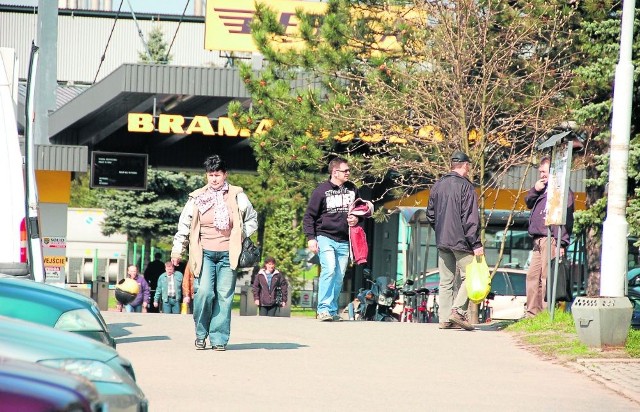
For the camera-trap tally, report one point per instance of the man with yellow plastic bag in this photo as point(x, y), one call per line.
point(453, 214)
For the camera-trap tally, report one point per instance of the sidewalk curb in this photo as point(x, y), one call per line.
point(587, 367)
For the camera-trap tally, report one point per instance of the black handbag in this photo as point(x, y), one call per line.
point(278, 293)
point(250, 254)
point(563, 287)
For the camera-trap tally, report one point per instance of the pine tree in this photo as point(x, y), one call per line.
point(157, 47)
point(150, 215)
point(598, 41)
point(397, 89)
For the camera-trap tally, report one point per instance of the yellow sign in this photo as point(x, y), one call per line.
point(54, 261)
point(177, 124)
point(227, 23)
point(224, 126)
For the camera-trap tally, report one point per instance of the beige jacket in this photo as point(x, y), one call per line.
point(243, 216)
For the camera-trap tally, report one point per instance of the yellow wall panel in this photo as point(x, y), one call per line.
point(498, 199)
point(53, 186)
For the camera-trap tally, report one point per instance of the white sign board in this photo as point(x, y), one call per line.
point(558, 185)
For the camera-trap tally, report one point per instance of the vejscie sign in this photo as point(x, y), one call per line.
point(54, 261)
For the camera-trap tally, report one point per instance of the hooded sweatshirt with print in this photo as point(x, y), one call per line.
point(327, 211)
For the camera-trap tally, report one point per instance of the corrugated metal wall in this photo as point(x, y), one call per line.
point(60, 157)
point(82, 41)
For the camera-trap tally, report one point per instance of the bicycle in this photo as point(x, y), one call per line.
point(433, 306)
point(423, 312)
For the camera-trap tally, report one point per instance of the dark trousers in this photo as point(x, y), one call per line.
point(269, 310)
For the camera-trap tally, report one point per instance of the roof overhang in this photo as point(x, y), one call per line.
point(98, 116)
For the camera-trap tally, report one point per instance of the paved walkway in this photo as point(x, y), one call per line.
point(298, 364)
point(620, 375)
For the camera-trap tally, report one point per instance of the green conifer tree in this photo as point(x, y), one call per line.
point(157, 47)
point(597, 40)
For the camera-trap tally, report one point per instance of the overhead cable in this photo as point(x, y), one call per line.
point(108, 41)
point(177, 28)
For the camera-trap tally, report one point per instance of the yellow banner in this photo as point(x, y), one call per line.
point(227, 22)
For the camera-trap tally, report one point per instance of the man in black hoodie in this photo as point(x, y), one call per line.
point(326, 225)
point(453, 214)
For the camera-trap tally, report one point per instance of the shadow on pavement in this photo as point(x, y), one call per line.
point(141, 339)
point(118, 330)
point(493, 326)
point(268, 346)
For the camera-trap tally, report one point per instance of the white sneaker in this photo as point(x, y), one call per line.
point(325, 317)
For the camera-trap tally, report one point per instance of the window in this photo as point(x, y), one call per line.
point(499, 285)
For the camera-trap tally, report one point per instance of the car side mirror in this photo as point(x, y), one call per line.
point(491, 295)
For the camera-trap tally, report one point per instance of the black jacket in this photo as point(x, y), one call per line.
point(537, 202)
point(453, 213)
point(327, 211)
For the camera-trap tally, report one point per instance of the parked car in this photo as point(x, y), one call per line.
point(634, 297)
point(53, 306)
point(29, 387)
point(507, 298)
point(633, 279)
point(111, 374)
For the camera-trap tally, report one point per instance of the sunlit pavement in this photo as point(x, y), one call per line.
point(301, 364)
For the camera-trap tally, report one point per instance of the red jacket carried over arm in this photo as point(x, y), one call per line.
point(357, 238)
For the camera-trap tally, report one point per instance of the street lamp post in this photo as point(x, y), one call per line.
point(605, 321)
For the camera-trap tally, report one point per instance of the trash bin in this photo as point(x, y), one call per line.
point(100, 293)
point(247, 305)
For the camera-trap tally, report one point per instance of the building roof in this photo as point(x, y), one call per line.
point(98, 116)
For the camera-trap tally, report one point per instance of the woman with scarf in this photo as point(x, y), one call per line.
point(269, 289)
point(215, 220)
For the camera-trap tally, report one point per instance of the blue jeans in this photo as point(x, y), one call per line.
point(334, 257)
point(212, 304)
point(171, 306)
point(130, 308)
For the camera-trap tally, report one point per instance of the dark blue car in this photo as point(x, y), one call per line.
point(29, 387)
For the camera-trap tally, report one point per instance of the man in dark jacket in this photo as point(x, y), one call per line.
point(453, 214)
point(326, 225)
point(536, 200)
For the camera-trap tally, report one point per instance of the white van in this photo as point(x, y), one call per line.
point(13, 238)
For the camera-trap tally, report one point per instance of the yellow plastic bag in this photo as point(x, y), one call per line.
point(184, 308)
point(478, 280)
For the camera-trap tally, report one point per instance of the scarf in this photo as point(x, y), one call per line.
point(215, 198)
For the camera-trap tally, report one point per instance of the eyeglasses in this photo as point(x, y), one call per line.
point(344, 171)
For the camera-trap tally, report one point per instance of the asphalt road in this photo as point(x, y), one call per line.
point(298, 364)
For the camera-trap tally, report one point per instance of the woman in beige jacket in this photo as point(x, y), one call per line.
point(215, 220)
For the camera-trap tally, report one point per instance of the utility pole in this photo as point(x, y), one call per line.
point(606, 320)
